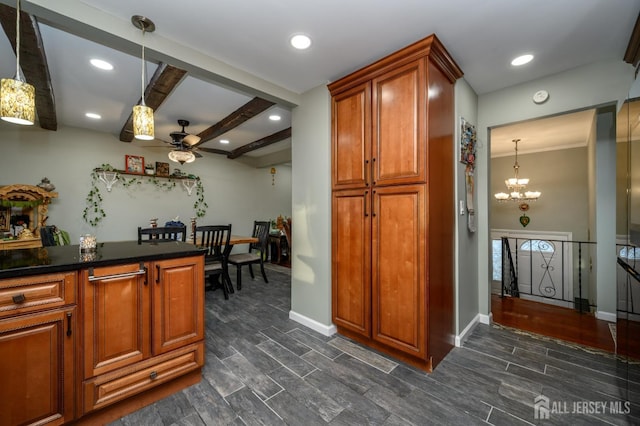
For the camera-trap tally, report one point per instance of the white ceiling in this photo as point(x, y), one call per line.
point(251, 38)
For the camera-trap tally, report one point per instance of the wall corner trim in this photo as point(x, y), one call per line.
point(324, 329)
point(462, 337)
point(606, 316)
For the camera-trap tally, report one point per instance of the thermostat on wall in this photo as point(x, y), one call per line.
point(540, 96)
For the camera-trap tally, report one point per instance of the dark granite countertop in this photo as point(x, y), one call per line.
point(23, 262)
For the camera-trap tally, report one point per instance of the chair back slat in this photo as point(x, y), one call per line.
point(215, 240)
point(261, 232)
point(162, 234)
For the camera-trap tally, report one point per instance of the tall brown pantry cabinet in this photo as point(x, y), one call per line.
point(393, 206)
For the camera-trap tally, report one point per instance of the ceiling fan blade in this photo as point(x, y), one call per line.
point(197, 154)
point(191, 140)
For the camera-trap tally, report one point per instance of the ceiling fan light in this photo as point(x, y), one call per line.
point(143, 127)
point(17, 101)
point(181, 156)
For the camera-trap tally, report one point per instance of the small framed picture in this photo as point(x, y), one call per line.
point(162, 169)
point(5, 218)
point(134, 164)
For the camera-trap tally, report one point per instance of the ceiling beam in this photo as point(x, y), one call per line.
point(236, 118)
point(214, 151)
point(632, 54)
point(164, 80)
point(33, 62)
point(261, 143)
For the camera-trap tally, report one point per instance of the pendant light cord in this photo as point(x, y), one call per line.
point(18, 43)
point(143, 66)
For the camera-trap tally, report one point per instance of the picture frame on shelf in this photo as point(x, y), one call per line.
point(162, 169)
point(134, 164)
point(5, 219)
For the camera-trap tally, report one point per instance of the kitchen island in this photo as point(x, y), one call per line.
point(89, 337)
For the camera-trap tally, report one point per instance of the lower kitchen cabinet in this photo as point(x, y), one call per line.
point(88, 342)
point(143, 325)
point(37, 368)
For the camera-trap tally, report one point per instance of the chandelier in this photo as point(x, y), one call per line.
point(517, 185)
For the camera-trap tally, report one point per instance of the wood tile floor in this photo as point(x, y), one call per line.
point(264, 369)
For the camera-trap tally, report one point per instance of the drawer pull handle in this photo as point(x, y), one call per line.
point(153, 375)
point(68, 323)
point(19, 298)
point(157, 274)
point(108, 277)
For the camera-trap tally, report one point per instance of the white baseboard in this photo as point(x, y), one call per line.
point(326, 330)
point(460, 338)
point(485, 319)
point(606, 316)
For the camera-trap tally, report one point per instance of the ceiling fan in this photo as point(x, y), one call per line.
point(184, 145)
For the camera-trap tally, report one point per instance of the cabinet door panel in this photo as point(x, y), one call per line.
point(351, 127)
point(399, 129)
point(351, 260)
point(178, 303)
point(398, 272)
point(37, 368)
point(116, 318)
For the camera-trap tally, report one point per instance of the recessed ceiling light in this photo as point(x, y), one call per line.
point(103, 65)
point(274, 117)
point(300, 41)
point(225, 141)
point(521, 60)
point(93, 115)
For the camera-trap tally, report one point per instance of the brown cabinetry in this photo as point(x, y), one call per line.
point(393, 206)
point(143, 326)
point(38, 333)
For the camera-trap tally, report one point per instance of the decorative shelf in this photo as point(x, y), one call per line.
point(123, 172)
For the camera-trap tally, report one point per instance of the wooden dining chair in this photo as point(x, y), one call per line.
point(215, 240)
point(161, 234)
point(256, 254)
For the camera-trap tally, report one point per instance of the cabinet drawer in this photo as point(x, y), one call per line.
point(118, 385)
point(28, 294)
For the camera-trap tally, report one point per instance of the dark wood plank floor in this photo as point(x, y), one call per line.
point(264, 369)
point(553, 321)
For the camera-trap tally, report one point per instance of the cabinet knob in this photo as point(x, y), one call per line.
point(153, 375)
point(19, 298)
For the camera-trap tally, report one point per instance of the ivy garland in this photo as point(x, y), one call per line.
point(94, 213)
point(20, 203)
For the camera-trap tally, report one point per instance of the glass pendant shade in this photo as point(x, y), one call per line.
point(143, 122)
point(17, 101)
point(181, 156)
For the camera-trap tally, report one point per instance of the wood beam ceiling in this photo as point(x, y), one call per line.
point(236, 118)
point(252, 146)
point(164, 80)
point(632, 54)
point(33, 62)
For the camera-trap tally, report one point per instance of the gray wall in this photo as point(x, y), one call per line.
point(235, 193)
point(466, 287)
point(311, 194)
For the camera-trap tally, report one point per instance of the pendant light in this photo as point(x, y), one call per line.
point(17, 97)
point(143, 127)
